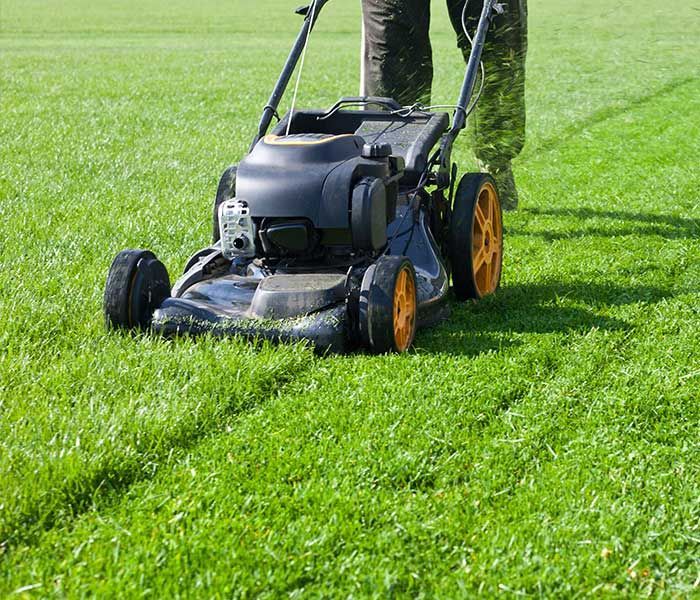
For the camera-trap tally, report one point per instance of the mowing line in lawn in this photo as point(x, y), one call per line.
point(99, 429)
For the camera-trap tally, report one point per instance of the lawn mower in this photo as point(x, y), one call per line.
point(340, 226)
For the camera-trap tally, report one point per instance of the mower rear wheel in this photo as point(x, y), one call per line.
point(137, 284)
point(388, 305)
point(225, 191)
point(476, 237)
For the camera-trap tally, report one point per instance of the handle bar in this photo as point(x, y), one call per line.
point(386, 103)
point(460, 117)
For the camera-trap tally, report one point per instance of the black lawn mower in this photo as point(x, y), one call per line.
point(340, 226)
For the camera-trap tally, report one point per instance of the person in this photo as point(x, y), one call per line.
point(397, 63)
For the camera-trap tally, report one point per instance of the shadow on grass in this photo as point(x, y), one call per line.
point(628, 223)
point(476, 328)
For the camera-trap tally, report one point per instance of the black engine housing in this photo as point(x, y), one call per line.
point(311, 190)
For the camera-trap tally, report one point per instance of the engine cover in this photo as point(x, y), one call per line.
point(285, 177)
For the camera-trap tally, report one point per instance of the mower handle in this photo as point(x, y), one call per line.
point(387, 103)
point(489, 9)
point(310, 14)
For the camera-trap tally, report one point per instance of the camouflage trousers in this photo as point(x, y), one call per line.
point(397, 62)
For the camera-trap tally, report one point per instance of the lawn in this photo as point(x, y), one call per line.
point(543, 442)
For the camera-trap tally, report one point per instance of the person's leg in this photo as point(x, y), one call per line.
point(397, 56)
point(498, 123)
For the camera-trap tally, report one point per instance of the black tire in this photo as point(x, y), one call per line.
point(475, 238)
point(383, 327)
point(137, 284)
point(225, 191)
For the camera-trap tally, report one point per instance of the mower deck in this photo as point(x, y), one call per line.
point(287, 307)
point(325, 329)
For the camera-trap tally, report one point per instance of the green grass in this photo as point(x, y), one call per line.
point(544, 442)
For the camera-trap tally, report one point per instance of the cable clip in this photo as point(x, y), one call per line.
point(499, 8)
point(274, 111)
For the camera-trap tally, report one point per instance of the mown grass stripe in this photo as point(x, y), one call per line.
point(97, 430)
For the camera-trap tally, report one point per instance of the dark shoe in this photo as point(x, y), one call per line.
point(505, 182)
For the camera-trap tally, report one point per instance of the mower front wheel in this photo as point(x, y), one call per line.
point(388, 305)
point(475, 239)
point(137, 284)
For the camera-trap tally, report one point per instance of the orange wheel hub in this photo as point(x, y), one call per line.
point(404, 310)
point(487, 241)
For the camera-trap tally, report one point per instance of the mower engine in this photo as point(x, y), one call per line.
point(309, 196)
